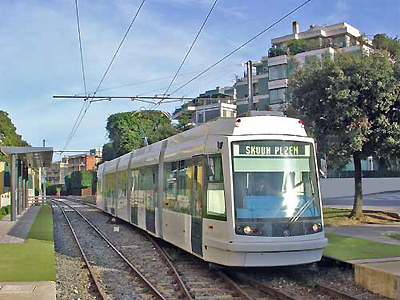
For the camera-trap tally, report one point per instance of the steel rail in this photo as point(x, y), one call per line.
point(164, 256)
point(91, 271)
point(142, 278)
point(326, 290)
point(239, 290)
point(167, 259)
point(333, 292)
point(264, 288)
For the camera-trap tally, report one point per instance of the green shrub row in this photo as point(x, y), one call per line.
point(5, 210)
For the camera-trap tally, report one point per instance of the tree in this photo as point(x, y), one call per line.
point(108, 152)
point(130, 130)
point(8, 134)
point(185, 120)
point(351, 106)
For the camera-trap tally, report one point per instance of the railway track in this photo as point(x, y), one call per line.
point(106, 273)
point(193, 279)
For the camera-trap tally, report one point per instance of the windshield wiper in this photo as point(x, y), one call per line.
point(301, 211)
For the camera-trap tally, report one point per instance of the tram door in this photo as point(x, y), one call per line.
point(197, 205)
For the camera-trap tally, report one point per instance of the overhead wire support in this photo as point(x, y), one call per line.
point(241, 46)
point(86, 102)
point(190, 49)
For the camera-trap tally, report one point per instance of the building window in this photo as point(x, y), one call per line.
point(277, 72)
point(277, 96)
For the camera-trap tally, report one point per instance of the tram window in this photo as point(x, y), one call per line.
point(216, 207)
point(171, 185)
point(135, 187)
point(146, 187)
point(185, 185)
point(122, 184)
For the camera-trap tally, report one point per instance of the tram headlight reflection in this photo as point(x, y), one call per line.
point(248, 230)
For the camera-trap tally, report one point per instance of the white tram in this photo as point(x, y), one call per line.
point(236, 192)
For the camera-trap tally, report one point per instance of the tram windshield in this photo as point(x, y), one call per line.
point(275, 188)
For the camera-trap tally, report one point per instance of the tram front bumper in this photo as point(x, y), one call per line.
point(263, 254)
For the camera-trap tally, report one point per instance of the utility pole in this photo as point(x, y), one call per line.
point(250, 84)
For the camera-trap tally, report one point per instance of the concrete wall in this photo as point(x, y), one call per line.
point(344, 187)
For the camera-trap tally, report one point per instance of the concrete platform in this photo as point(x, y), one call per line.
point(17, 231)
point(379, 275)
point(43, 290)
point(382, 278)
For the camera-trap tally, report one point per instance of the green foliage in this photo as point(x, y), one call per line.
point(8, 134)
point(273, 51)
point(53, 189)
point(108, 152)
point(82, 179)
point(347, 248)
point(351, 106)
point(383, 42)
point(127, 130)
point(297, 46)
point(68, 184)
point(5, 210)
point(293, 47)
point(185, 121)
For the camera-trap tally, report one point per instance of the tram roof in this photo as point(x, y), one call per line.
point(32, 156)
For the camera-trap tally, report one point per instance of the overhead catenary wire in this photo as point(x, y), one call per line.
point(190, 49)
point(87, 103)
point(83, 74)
point(80, 46)
point(157, 79)
point(240, 47)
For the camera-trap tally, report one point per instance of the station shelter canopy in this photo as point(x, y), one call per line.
point(33, 157)
point(23, 158)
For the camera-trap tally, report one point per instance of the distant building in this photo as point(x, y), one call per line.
point(56, 173)
point(210, 105)
point(270, 78)
point(81, 162)
point(271, 73)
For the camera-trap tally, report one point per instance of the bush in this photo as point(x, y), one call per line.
point(5, 210)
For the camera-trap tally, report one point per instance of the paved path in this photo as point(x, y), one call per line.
point(17, 231)
point(373, 232)
point(389, 202)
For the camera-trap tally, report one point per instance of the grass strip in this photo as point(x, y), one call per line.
point(34, 259)
point(348, 248)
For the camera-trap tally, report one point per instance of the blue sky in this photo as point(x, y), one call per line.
point(40, 52)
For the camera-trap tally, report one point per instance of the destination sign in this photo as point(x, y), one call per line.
point(273, 149)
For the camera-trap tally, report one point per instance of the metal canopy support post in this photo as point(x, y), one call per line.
point(25, 187)
point(19, 187)
point(13, 188)
point(40, 183)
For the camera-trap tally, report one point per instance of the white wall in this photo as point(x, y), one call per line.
point(343, 187)
point(5, 199)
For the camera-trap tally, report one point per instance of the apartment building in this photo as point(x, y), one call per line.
point(270, 74)
point(56, 173)
point(213, 104)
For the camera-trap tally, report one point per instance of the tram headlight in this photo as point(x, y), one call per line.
point(316, 227)
point(248, 230)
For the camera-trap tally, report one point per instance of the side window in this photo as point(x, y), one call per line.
point(185, 185)
point(171, 185)
point(216, 207)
